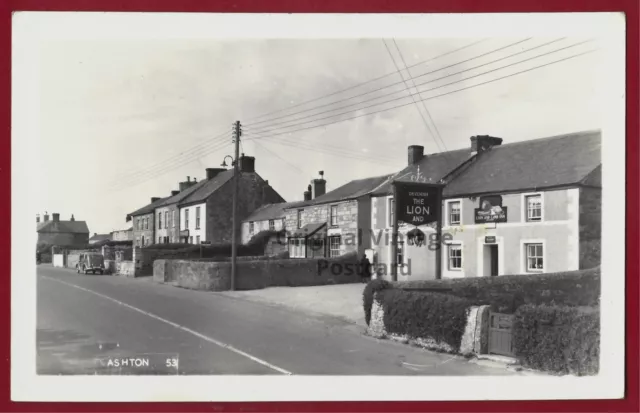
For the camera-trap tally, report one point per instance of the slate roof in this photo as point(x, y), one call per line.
point(208, 187)
point(100, 237)
point(433, 167)
point(350, 190)
point(271, 211)
point(308, 230)
point(530, 165)
point(146, 209)
point(181, 195)
point(68, 227)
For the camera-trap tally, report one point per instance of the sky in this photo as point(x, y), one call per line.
point(124, 120)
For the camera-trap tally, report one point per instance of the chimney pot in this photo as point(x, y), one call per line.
point(72, 218)
point(188, 179)
point(37, 218)
point(46, 217)
point(415, 154)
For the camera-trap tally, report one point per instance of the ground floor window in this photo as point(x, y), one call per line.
point(334, 246)
point(191, 240)
point(455, 257)
point(197, 239)
point(535, 257)
point(296, 248)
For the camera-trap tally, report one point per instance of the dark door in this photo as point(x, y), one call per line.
point(494, 260)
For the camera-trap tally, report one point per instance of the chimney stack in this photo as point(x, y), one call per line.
point(173, 193)
point(46, 217)
point(247, 163)
point(186, 184)
point(416, 153)
point(483, 143)
point(55, 217)
point(154, 199)
point(212, 172)
point(72, 218)
point(37, 218)
point(318, 186)
point(307, 193)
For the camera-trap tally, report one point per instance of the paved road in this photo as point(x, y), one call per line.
point(95, 324)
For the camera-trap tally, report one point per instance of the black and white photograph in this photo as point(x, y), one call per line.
point(388, 207)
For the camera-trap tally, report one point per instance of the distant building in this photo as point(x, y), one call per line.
point(143, 223)
point(125, 234)
point(96, 238)
point(62, 233)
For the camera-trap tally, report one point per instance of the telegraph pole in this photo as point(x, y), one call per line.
point(237, 132)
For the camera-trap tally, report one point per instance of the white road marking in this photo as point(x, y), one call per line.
point(178, 326)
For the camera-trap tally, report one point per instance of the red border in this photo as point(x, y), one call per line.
point(629, 7)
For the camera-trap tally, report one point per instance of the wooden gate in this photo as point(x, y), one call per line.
point(500, 338)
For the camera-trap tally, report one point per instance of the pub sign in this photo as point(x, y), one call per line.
point(491, 210)
point(417, 203)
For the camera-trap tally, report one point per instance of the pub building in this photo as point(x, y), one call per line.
point(525, 207)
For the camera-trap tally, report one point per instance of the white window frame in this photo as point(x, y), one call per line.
point(524, 210)
point(447, 208)
point(197, 217)
point(390, 210)
point(333, 216)
point(173, 219)
point(331, 249)
point(299, 218)
point(524, 261)
point(186, 218)
point(458, 246)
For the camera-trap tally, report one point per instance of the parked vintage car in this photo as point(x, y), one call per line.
point(90, 263)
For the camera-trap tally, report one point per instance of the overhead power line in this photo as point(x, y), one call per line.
point(436, 96)
point(411, 94)
point(392, 84)
point(184, 154)
point(424, 105)
point(168, 168)
point(267, 127)
point(367, 82)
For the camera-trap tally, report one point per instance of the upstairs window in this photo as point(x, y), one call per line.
point(166, 219)
point(334, 215)
point(197, 217)
point(159, 220)
point(454, 213)
point(186, 219)
point(534, 208)
point(299, 219)
point(272, 225)
point(251, 227)
point(391, 213)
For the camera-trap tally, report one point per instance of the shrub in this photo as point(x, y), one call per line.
point(558, 339)
point(508, 292)
point(436, 316)
point(367, 295)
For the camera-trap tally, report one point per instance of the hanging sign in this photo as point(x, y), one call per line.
point(491, 210)
point(417, 203)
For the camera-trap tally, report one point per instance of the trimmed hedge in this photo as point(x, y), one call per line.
point(367, 295)
point(436, 316)
point(506, 293)
point(558, 339)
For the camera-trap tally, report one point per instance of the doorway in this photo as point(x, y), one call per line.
point(491, 260)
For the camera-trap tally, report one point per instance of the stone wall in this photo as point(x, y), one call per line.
point(255, 274)
point(475, 339)
point(346, 228)
point(590, 222)
point(125, 268)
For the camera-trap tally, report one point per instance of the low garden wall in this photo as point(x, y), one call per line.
point(255, 274)
point(556, 316)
